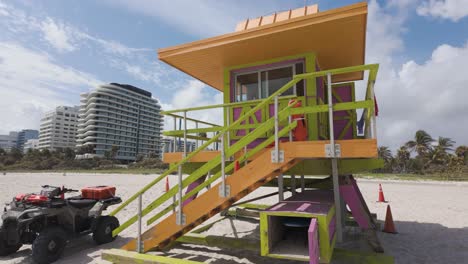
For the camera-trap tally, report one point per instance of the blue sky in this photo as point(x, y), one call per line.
point(51, 51)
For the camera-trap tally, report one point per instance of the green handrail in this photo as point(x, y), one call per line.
point(206, 107)
point(205, 168)
point(206, 144)
point(228, 169)
point(191, 119)
point(258, 132)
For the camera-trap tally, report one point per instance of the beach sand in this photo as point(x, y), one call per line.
point(431, 219)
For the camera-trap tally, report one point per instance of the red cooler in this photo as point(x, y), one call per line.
point(98, 192)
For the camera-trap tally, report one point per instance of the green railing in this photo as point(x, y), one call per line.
point(203, 170)
point(230, 150)
point(193, 133)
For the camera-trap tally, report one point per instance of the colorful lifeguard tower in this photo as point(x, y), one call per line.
point(290, 112)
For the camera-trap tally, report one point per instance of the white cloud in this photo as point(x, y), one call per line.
point(203, 17)
point(3, 10)
point(111, 46)
point(32, 83)
point(446, 9)
point(62, 36)
point(429, 96)
point(58, 35)
point(153, 72)
point(184, 14)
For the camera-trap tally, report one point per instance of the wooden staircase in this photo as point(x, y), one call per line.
point(256, 173)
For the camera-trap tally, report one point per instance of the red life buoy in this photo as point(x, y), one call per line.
point(300, 131)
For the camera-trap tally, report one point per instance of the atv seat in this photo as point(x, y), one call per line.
point(57, 203)
point(81, 202)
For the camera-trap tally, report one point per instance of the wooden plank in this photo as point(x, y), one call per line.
point(354, 148)
point(193, 238)
point(254, 206)
point(220, 241)
point(128, 257)
point(203, 156)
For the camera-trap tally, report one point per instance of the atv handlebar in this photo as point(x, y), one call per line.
point(63, 189)
point(69, 190)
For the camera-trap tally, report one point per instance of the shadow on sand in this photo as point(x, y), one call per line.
point(426, 243)
point(81, 250)
point(415, 243)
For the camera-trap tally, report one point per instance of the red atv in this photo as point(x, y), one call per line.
point(48, 220)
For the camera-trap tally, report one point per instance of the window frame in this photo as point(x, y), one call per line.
point(259, 79)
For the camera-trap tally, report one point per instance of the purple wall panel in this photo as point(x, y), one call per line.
point(293, 206)
point(236, 114)
point(350, 195)
point(320, 196)
point(192, 186)
point(345, 93)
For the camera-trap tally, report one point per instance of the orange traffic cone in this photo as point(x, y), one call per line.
point(236, 166)
point(381, 196)
point(389, 226)
point(167, 184)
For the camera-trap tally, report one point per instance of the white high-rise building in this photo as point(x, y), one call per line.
point(58, 128)
point(30, 144)
point(120, 115)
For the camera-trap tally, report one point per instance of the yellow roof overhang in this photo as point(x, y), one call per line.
point(336, 36)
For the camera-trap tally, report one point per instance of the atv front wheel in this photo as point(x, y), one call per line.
point(103, 232)
point(49, 245)
point(6, 250)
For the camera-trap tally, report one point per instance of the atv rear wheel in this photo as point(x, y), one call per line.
point(6, 250)
point(103, 232)
point(49, 245)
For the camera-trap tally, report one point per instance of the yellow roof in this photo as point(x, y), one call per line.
point(337, 36)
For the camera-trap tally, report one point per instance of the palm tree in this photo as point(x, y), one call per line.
point(445, 144)
point(384, 153)
point(402, 158)
point(421, 143)
point(439, 154)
